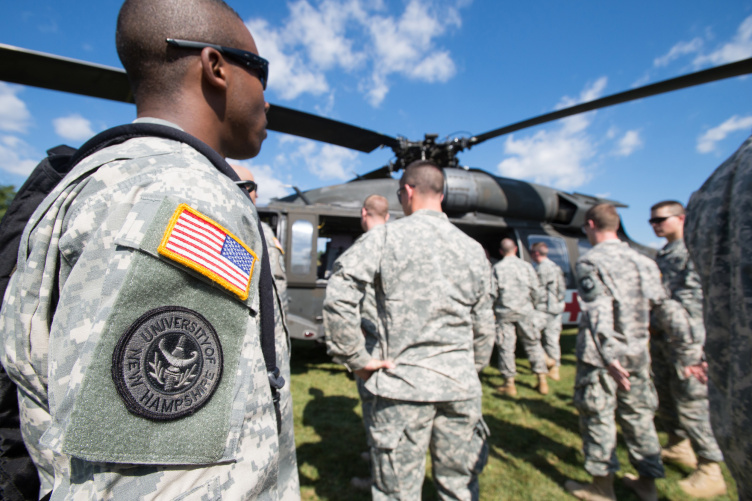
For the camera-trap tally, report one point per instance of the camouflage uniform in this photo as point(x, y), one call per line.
point(94, 260)
point(683, 402)
point(554, 288)
point(718, 233)
point(436, 324)
point(619, 287)
point(518, 291)
point(288, 482)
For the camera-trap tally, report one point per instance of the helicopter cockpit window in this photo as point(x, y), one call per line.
point(557, 252)
point(302, 238)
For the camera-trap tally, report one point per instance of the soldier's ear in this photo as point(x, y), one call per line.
point(214, 68)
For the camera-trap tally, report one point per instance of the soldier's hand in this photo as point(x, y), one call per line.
point(700, 371)
point(372, 366)
point(620, 375)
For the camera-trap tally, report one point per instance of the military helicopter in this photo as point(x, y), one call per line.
point(316, 226)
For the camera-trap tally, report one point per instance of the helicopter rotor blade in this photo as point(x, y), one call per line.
point(38, 69)
point(738, 68)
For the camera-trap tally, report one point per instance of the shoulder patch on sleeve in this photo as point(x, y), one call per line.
point(167, 364)
point(589, 284)
point(204, 246)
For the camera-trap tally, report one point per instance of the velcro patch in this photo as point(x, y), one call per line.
point(203, 245)
point(167, 364)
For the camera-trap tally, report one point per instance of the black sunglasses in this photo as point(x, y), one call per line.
point(249, 186)
point(247, 59)
point(658, 220)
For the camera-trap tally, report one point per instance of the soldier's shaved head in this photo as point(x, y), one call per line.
point(152, 66)
point(508, 247)
point(540, 247)
point(604, 217)
point(376, 205)
point(675, 208)
point(425, 176)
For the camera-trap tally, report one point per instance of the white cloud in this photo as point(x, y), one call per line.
point(357, 37)
point(14, 116)
point(73, 127)
point(16, 156)
point(706, 143)
point(629, 142)
point(678, 50)
point(556, 157)
point(326, 162)
point(740, 47)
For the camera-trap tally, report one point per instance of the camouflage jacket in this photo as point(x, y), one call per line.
point(553, 287)
point(433, 301)
point(619, 287)
point(518, 289)
point(149, 381)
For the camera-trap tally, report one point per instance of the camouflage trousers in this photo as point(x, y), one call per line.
point(366, 405)
point(601, 404)
point(506, 340)
point(288, 482)
point(683, 407)
point(550, 337)
point(402, 432)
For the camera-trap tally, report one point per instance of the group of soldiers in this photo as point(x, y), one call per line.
point(144, 330)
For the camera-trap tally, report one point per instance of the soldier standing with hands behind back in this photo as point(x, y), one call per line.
point(433, 294)
point(683, 399)
point(619, 287)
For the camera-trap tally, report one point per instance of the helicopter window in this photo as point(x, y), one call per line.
point(557, 252)
point(333, 247)
point(302, 239)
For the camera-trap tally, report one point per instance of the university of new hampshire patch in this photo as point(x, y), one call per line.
point(167, 364)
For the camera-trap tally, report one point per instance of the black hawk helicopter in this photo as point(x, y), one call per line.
point(316, 226)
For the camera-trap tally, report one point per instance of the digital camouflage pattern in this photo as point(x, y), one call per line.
point(683, 402)
point(369, 323)
point(436, 324)
point(554, 289)
point(619, 288)
point(402, 432)
point(288, 481)
point(94, 240)
point(432, 295)
point(718, 233)
point(601, 405)
point(518, 291)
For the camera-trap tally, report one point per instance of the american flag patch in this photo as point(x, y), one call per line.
point(203, 245)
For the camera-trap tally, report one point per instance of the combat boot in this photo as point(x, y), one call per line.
point(554, 373)
point(550, 362)
point(679, 451)
point(706, 481)
point(644, 487)
point(542, 384)
point(508, 388)
point(602, 489)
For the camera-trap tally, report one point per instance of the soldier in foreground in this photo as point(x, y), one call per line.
point(518, 291)
point(436, 332)
point(683, 409)
point(619, 287)
point(288, 481)
point(551, 303)
point(140, 370)
point(719, 235)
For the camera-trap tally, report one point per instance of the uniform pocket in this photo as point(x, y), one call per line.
point(592, 392)
point(480, 444)
point(386, 438)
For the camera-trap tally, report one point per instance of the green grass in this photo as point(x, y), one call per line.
point(535, 441)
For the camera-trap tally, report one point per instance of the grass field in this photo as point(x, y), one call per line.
point(535, 442)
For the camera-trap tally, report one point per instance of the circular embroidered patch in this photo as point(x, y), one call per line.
point(167, 364)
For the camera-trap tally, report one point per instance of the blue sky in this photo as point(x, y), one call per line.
point(455, 67)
